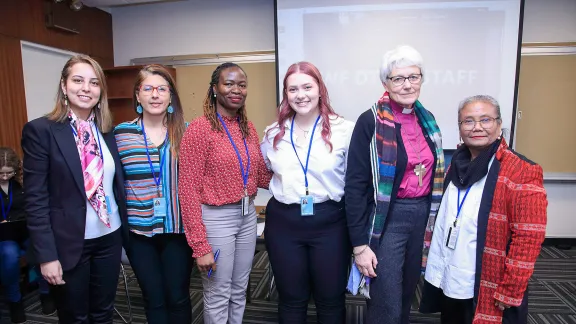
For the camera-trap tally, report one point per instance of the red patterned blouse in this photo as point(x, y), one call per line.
point(210, 174)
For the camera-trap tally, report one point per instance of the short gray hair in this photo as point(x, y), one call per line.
point(482, 98)
point(401, 56)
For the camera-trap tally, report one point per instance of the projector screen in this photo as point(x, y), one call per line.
point(468, 47)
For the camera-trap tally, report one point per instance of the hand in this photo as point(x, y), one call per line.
point(206, 262)
point(365, 260)
point(4, 221)
point(52, 272)
point(501, 305)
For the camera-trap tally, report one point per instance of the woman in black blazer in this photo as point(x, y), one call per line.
point(75, 195)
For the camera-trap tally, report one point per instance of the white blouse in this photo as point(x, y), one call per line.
point(326, 170)
point(454, 270)
point(94, 226)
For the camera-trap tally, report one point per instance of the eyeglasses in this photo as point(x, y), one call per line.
point(7, 174)
point(399, 80)
point(148, 89)
point(485, 122)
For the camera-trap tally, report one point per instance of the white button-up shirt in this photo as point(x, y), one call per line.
point(326, 170)
point(454, 270)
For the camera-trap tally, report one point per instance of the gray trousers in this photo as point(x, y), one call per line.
point(235, 236)
point(399, 262)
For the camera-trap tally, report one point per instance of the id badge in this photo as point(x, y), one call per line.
point(452, 236)
point(307, 205)
point(245, 205)
point(108, 205)
point(160, 207)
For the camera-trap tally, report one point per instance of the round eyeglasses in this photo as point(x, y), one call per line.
point(485, 122)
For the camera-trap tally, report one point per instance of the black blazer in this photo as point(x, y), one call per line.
point(55, 196)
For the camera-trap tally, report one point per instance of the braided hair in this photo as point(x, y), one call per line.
point(210, 102)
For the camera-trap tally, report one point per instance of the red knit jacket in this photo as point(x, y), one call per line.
point(518, 217)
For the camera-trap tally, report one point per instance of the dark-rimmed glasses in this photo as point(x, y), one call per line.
point(399, 80)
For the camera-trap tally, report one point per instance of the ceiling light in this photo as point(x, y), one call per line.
point(76, 5)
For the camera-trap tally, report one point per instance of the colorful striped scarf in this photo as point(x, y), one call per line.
point(383, 152)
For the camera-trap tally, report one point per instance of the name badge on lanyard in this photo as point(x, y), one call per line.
point(96, 133)
point(306, 201)
point(6, 210)
point(245, 201)
point(455, 228)
point(159, 203)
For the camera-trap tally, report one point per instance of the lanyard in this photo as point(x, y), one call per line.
point(460, 204)
point(97, 135)
point(162, 157)
point(7, 210)
point(304, 168)
point(244, 174)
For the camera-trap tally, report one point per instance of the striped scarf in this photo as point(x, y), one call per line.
point(383, 153)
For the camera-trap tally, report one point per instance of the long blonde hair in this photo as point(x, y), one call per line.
point(102, 114)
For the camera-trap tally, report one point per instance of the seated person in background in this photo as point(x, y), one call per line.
point(490, 226)
point(14, 237)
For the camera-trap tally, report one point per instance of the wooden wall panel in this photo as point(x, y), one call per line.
point(24, 20)
point(12, 96)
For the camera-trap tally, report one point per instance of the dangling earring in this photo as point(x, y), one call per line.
point(98, 106)
point(139, 109)
point(66, 100)
point(170, 108)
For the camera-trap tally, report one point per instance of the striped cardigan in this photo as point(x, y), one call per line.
point(140, 185)
point(511, 229)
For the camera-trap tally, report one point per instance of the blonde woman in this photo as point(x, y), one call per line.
point(75, 195)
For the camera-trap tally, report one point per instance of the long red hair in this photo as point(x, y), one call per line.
point(285, 112)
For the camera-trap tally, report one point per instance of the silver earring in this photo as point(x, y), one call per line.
point(214, 95)
point(98, 105)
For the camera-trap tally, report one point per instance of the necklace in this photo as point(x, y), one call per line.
point(419, 169)
point(305, 131)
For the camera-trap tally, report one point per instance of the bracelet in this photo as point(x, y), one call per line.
point(357, 254)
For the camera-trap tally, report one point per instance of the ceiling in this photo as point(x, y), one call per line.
point(117, 3)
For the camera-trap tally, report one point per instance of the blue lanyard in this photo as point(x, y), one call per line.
point(244, 174)
point(304, 168)
point(460, 204)
point(158, 180)
point(97, 135)
point(7, 210)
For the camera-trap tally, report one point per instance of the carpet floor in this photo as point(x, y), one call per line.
point(552, 298)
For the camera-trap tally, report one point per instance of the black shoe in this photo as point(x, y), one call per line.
point(48, 304)
point(17, 314)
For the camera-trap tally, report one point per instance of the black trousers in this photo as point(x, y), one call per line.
point(88, 295)
point(456, 311)
point(309, 255)
point(163, 265)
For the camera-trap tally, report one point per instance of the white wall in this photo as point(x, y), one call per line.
point(217, 26)
point(549, 21)
point(192, 27)
point(41, 66)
